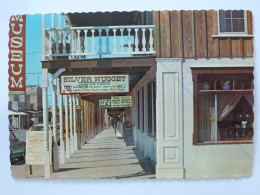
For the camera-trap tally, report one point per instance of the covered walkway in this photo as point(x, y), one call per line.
point(105, 156)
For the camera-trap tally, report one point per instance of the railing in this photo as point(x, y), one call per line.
point(81, 42)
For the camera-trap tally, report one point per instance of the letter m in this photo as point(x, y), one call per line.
point(17, 18)
point(16, 84)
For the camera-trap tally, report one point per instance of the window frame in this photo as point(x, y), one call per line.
point(196, 72)
point(233, 34)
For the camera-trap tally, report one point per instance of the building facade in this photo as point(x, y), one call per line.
point(191, 81)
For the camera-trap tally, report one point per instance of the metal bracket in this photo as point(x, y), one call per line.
point(56, 74)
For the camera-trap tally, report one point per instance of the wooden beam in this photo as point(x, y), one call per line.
point(212, 29)
point(100, 63)
point(165, 34)
point(156, 21)
point(237, 47)
point(188, 34)
point(176, 34)
point(200, 34)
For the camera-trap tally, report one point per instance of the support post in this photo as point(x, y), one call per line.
point(75, 124)
point(62, 156)
point(47, 169)
point(54, 122)
point(67, 127)
point(71, 126)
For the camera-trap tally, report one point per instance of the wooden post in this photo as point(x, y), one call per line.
point(67, 127)
point(62, 156)
point(47, 170)
point(75, 124)
point(54, 122)
point(71, 126)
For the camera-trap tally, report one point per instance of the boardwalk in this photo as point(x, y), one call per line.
point(105, 156)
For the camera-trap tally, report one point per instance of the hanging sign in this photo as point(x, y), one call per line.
point(17, 53)
point(101, 84)
point(105, 103)
point(116, 102)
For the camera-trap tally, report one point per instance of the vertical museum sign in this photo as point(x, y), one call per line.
point(17, 53)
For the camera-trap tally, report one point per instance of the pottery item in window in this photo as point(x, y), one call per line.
point(225, 85)
point(244, 124)
point(205, 86)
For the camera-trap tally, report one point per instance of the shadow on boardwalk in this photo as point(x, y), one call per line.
point(105, 156)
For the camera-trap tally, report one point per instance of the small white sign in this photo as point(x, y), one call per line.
point(35, 147)
point(116, 102)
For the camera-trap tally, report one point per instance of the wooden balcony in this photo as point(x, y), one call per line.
point(78, 43)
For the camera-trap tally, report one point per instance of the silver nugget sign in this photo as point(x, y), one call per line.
point(17, 53)
point(94, 84)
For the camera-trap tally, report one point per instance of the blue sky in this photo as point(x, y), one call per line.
point(33, 49)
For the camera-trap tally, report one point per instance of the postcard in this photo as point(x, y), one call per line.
point(162, 94)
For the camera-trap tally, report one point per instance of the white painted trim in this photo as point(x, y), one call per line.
point(219, 62)
point(232, 35)
point(168, 59)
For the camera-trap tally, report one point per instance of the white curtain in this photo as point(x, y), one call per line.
point(226, 104)
point(250, 99)
point(206, 118)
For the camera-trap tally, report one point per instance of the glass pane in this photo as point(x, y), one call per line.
point(224, 14)
point(238, 14)
point(225, 25)
point(238, 25)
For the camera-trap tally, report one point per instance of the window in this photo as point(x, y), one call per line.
point(232, 22)
point(16, 98)
point(223, 101)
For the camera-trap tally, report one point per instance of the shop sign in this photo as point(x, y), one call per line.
point(105, 103)
point(94, 84)
point(17, 53)
point(35, 147)
point(116, 102)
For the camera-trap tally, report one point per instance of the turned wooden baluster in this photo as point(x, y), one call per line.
point(71, 43)
point(93, 41)
point(129, 39)
point(78, 42)
point(85, 41)
point(151, 39)
point(114, 41)
point(100, 41)
point(107, 41)
point(57, 41)
point(64, 41)
point(136, 40)
point(122, 40)
point(143, 40)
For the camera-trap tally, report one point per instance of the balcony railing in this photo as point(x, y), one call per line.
point(84, 42)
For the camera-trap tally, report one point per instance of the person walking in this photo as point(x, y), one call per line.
point(115, 121)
